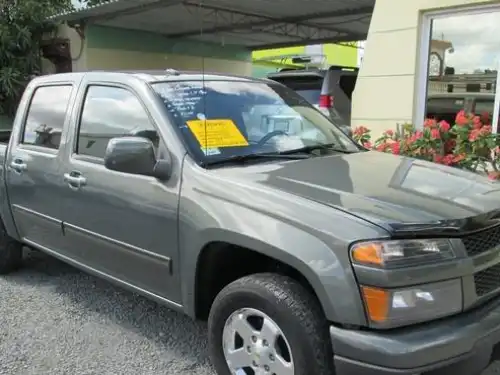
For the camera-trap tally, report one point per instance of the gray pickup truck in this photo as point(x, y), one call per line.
point(235, 200)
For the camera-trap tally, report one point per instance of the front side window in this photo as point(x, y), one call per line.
point(46, 116)
point(220, 119)
point(110, 112)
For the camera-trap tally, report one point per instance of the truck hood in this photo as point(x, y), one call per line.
point(403, 195)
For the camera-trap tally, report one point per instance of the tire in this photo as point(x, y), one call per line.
point(293, 309)
point(11, 252)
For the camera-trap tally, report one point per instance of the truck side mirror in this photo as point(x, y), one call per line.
point(135, 155)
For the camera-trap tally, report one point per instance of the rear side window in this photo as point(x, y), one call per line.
point(312, 96)
point(46, 116)
point(110, 112)
point(309, 87)
point(347, 84)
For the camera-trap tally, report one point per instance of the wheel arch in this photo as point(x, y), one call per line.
point(306, 259)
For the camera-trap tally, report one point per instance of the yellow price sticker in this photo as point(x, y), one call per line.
point(217, 133)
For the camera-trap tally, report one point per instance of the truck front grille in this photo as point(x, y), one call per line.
point(480, 242)
point(487, 280)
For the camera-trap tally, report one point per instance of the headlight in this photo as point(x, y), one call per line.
point(401, 253)
point(398, 307)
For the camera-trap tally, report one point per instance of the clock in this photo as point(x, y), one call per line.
point(435, 65)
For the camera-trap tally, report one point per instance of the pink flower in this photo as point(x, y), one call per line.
point(430, 123)
point(438, 159)
point(461, 119)
point(396, 148)
point(444, 126)
point(494, 176)
point(435, 134)
point(459, 158)
point(361, 130)
point(474, 134)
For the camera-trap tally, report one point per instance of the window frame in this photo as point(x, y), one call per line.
point(424, 49)
point(40, 148)
point(74, 147)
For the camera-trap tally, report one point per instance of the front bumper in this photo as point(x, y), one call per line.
point(461, 345)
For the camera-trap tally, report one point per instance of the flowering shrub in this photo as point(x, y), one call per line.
point(468, 143)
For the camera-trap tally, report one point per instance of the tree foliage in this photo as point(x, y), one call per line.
point(22, 25)
point(92, 2)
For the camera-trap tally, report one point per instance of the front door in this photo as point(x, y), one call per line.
point(121, 225)
point(33, 164)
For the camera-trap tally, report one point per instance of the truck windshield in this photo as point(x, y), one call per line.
point(225, 119)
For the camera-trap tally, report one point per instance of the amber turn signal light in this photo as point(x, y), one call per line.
point(368, 253)
point(377, 303)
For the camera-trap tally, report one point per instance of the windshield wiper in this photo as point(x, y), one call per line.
point(251, 157)
point(323, 146)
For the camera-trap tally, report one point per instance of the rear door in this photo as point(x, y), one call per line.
point(341, 84)
point(33, 167)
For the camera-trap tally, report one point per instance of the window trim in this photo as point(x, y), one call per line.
point(425, 32)
point(496, 104)
point(74, 147)
point(40, 148)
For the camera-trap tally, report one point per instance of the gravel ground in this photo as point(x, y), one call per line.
point(57, 320)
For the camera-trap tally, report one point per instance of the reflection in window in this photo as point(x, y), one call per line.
point(429, 181)
point(110, 112)
point(46, 115)
point(462, 65)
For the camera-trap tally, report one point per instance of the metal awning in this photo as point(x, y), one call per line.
point(256, 24)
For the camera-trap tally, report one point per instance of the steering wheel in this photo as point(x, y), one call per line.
point(268, 136)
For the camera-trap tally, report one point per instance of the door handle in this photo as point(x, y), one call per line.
point(75, 180)
point(18, 165)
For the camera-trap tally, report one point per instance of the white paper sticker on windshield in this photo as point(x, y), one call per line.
point(211, 151)
point(289, 142)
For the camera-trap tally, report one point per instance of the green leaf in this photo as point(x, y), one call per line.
point(22, 23)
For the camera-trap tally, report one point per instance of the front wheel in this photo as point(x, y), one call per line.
point(268, 324)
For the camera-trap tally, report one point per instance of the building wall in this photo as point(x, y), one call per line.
point(78, 50)
point(386, 88)
point(113, 48)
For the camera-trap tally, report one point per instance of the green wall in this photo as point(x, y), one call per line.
point(143, 41)
point(335, 55)
point(340, 55)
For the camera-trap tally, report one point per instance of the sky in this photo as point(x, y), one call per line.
point(76, 4)
point(475, 39)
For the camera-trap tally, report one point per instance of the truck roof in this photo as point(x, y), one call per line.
point(148, 76)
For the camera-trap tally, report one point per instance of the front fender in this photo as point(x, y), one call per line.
point(333, 282)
